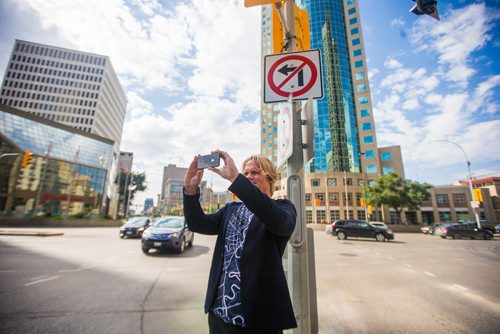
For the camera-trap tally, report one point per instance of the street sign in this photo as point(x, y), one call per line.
point(296, 73)
point(285, 132)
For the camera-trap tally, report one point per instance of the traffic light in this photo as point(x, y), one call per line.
point(318, 202)
point(302, 31)
point(362, 201)
point(233, 197)
point(27, 158)
point(478, 195)
point(428, 7)
point(370, 209)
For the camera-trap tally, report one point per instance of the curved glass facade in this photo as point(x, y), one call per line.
point(67, 172)
point(336, 140)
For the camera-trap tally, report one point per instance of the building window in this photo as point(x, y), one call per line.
point(363, 100)
point(350, 216)
point(333, 197)
point(354, 31)
point(320, 216)
point(366, 126)
point(386, 156)
point(315, 182)
point(371, 169)
point(356, 53)
point(356, 41)
point(370, 154)
point(351, 11)
point(361, 214)
point(358, 64)
point(320, 199)
point(459, 198)
point(309, 216)
point(368, 139)
point(360, 75)
point(354, 20)
point(387, 169)
point(334, 215)
point(442, 199)
point(444, 216)
point(308, 198)
point(361, 88)
point(365, 113)
point(332, 182)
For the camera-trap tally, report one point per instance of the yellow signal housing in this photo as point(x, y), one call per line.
point(478, 195)
point(302, 31)
point(26, 159)
point(318, 202)
point(370, 209)
point(362, 201)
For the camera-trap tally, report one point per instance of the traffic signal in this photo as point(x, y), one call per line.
point(428, 7)
point(302, 31)
point(318, 202)
point(370, 209)
point(27, 158)
point(362, 201)
point(233, 197)
point(478, 195)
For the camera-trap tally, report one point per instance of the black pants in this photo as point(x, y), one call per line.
point(218, 326)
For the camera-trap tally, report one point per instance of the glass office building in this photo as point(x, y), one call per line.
point(67, 172)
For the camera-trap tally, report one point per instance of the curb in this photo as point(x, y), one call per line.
point(31, 233)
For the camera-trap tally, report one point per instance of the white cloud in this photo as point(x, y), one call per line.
point(455, 38)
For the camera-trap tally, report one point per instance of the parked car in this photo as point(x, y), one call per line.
point(468, 230)
point(497, 228)
point(169, 232)
point(344, 229)
point(134, 227)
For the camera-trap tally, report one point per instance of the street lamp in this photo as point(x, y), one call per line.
point(470, 177)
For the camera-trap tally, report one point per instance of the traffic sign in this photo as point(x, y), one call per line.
point(295, 73)
point(285, 132)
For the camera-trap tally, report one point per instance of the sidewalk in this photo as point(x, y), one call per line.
point(31, 233)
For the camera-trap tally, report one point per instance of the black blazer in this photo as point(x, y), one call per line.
point(264, 293)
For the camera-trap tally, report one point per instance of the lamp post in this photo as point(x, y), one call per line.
point(476, 215)
point(130, 189)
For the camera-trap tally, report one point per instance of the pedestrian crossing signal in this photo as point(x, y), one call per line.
point(27, 159)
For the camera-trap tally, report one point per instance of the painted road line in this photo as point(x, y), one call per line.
point(429, 274)
point(42, 280)
point(75, 270)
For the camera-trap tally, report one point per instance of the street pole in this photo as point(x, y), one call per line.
point(476, 215)
point(42, 178)
point(346, 197)
point(298, 266)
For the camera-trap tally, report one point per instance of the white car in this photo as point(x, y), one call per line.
point(328, 229)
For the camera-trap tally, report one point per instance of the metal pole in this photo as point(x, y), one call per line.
point(476, 215)
point(346, 197)
point(298, 267)
point(42, 179)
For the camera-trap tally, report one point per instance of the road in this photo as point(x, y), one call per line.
point(90, 281)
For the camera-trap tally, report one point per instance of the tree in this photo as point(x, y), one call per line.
point(396, 193)
point(137, 180)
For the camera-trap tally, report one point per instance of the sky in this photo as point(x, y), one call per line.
point(191, 71)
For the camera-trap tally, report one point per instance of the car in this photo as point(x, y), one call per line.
point(134, 227)
point(467, 230)
point(328, 229)
point(497, 228)
point(379, 224)
point(170, 232)
point(344, 229)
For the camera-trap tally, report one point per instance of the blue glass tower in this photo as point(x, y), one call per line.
point(336, 138)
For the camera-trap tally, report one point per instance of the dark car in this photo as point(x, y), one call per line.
point(468, 230)
point(134, 227)
point(344, 229)
point(167, 233)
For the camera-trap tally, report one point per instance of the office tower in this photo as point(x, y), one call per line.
point(346, 156)
point(74, 88)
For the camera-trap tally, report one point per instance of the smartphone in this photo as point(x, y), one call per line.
point(209, 160)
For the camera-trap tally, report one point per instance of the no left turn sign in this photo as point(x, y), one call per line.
point(295, 73)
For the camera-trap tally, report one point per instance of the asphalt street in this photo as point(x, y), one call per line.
point(88, 280)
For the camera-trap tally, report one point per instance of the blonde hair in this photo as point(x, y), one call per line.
point(266, 167)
